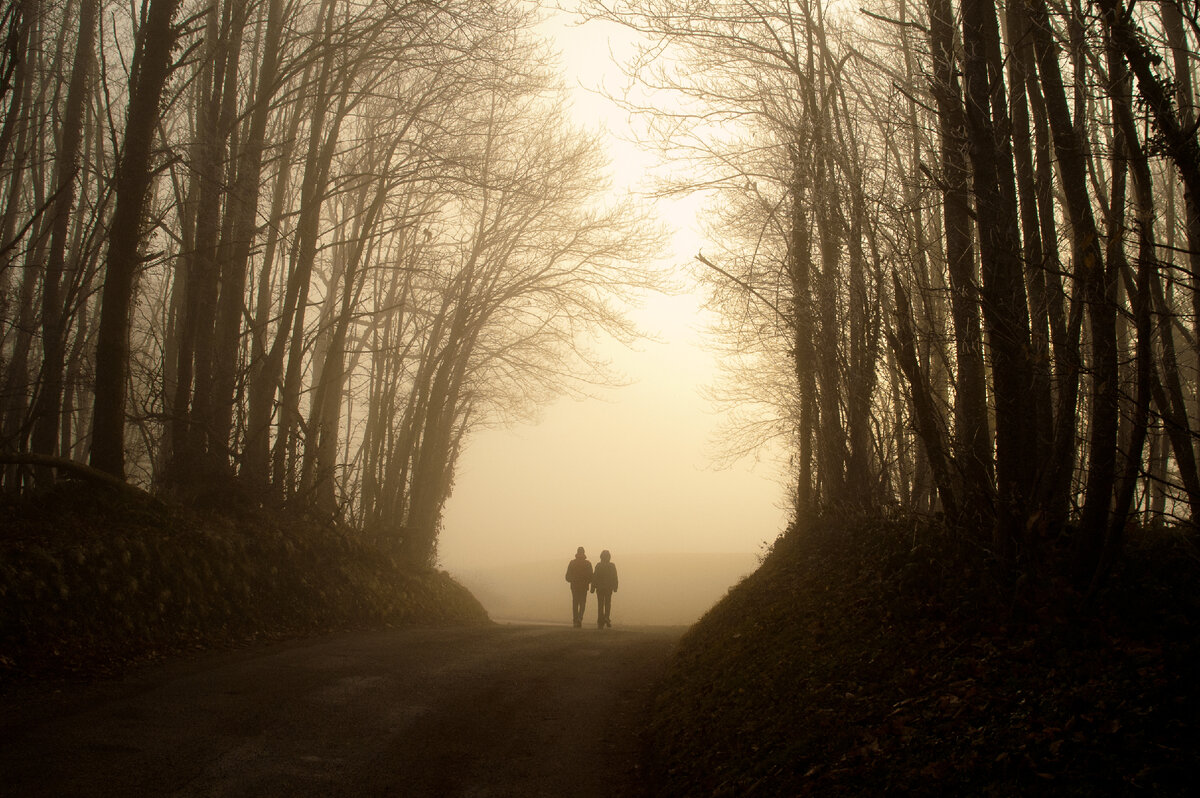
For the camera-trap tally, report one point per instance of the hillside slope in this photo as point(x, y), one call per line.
point(91, 580)
point(885, 659)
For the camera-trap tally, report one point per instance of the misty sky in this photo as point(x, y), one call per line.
point(631, 471)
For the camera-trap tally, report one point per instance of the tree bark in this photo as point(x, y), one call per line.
point(1005, 312)
point(1098, 281)
point(972, 439)
point(929, 427)
point(266, 379)
point(242, 207)
point(151, 66)
point(1126, 139)
point(1020, 66)
point(48, 409)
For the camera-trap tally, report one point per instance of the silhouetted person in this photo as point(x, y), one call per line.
point(579, 574)
point(604, 584)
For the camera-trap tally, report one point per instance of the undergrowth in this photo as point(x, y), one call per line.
point(92, 581)
point(884, 657)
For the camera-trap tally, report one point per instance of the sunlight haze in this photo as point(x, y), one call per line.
point(631, 470)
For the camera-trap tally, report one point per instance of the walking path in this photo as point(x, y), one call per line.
point(494, 711)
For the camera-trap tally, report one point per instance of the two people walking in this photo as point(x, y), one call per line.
point(602, 581)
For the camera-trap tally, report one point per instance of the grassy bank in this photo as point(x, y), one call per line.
point(91, 581)
point(884, 658)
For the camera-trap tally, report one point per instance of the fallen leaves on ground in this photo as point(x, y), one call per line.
point(91, 582)
point(887, 657)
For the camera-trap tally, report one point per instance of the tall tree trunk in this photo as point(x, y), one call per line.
point(929, 428)
point(830, 429)
point(200, 448)
point(243, 208)
point(1005, 312)
point(20, 19)
point(862, 483)
point(803, 355)
point(1020, 65)
point(1182, 59)
point(266, 354)
point(148, 75)
point(972, 438)
point(1098, 282)
point(444, 426)
point(16, 147)
point(308, 233)
point(197, 265)
point(49, 407)
point(321, 449)
point(266, 379)
point(314, 190)
point(1054, 497)
point(1167, 388)
point(1126, 139)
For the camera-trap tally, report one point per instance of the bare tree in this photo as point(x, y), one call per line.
point(150, 68)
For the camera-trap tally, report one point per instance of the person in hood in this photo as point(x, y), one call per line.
point(579, 574)
point(604, 584)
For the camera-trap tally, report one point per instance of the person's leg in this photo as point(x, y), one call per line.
point(580, 605)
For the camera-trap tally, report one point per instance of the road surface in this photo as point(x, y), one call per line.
point(493, 711)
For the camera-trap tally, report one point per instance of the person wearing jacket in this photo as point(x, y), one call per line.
point(604, 584)
point(579, 574)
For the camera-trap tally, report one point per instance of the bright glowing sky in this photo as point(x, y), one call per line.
point(632, 470)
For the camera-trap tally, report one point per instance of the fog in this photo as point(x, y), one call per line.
point(631, 469)
point(655, 590)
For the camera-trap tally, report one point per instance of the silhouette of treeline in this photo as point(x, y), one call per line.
point(957, 250)
point(292, 251)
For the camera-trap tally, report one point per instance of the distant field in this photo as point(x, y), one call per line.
point(656, 589)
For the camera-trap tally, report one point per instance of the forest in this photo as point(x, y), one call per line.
point(292, 251)
point(267, 265)
point(295, 251)
point(956, 249)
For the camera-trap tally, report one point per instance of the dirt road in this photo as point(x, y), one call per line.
point(497, 711)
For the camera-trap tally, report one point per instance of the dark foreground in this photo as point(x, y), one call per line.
point(893, 657)
point(492, 711)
